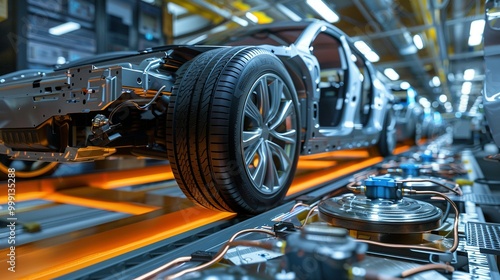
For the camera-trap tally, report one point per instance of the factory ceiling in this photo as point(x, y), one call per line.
point(434, 45)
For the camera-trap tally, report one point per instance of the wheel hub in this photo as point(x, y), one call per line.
point(265, 132)
point(269, 134)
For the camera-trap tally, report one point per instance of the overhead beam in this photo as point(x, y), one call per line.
point(425, 60)
point(210, 11)
point(403, 63)
point(389, 33)
point(195, 8)
point(415, 29)
point(466, 55)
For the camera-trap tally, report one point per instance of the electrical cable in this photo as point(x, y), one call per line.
point(154, 98)
point(276, 244)
point(219, 254)
point(135, 104)
point(455, 220)
point(416, 180)
point(297, 205)
point(352, 186)
point(163, 267)
point(309, 214)
point(446, 213)
point(426, 267)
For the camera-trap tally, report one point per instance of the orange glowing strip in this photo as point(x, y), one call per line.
point(124, 207)
point(401, 149)
point(53, 261)
point(321, 177)
point(138, 176)
point(23, 197)
point(19, 198)
point(104, 180)
point(340, 154)
point(315, 164)
point(136, 180)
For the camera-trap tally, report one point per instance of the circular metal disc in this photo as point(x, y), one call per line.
point(426, 186)
point(357, 212)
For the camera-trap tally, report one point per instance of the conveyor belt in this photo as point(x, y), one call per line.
point(485, 236)
point(483, 199)
point(57, 220)
point(134, 209)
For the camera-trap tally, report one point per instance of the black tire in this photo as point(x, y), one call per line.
point(26, 169)
point(387, 140)
point(210, 116)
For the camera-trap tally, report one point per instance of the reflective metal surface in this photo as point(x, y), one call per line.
point(380, 215)
point(269, 133)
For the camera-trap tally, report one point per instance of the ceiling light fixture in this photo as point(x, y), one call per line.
point(424, 102)
point(372, 56)
point(466, 88)
point(443, 98)
point(476, 32)
point(252, 17)
point(436, 81)
point(175, 9)
point(289, 13)
point(475, 40)
point(417, 40)
point(464, 101)
point(404, 85)
point(362, 46)
point(64, 28)
point(239, 21)
point(366, 51)
point(469, 74)
point(323, 10)
point(391, 74)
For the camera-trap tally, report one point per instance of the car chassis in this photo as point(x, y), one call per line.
point(142, 104)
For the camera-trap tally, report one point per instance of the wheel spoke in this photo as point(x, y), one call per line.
point(272, 177)
point(263, 97)
point(251, 150)
point(251, 137)
point(288, 136)
point(253, 113)
point(286, 111)
point(275, 93)
point(262, 167)
point(284, 158)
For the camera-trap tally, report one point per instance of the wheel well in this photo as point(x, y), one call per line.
point(298, 83)
point(300, 89)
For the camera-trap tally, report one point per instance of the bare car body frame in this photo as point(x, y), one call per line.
point(232, 120)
